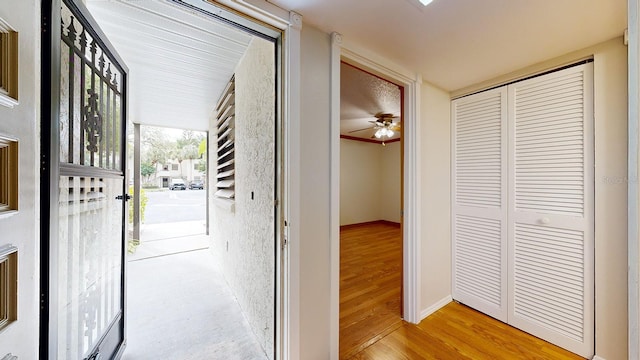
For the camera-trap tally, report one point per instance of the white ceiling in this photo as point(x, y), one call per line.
point(179, 61)
point(458, 43)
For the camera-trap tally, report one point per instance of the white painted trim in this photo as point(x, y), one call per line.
point(435, 307)
point(262, 10)
point(8, 101)
point(5, 27)
point(290, 306)
point(632, 190)
point(412, 84)
point(334, 218)
point(596, 357)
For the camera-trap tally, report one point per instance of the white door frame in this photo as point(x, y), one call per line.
point(288, 270)
point(412, 83)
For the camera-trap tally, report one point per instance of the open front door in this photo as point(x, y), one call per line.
point(83, 188)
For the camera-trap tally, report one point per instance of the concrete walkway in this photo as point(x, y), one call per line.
point(179, 305)
point(170, 238)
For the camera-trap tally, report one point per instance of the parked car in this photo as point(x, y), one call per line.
point(196, 184)
point(177, 184)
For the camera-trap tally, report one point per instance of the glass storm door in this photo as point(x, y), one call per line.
point(86, 242)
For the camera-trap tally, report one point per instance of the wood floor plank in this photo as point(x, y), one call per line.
point(370, 324)
point(370, 283)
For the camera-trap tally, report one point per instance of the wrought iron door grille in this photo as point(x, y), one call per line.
point(91, 104)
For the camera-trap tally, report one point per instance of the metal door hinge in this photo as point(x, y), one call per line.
point(95, 356)
point(126, 197)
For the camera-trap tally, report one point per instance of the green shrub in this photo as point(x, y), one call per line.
point(143, 204)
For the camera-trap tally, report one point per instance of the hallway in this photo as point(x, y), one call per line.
point(179, 307)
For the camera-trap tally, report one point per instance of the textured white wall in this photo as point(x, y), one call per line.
point(248, 261)
point(369, 182)
point(21, 230)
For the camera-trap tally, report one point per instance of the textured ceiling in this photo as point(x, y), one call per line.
point(363, 95)
point(458, 43)
point(179, 61)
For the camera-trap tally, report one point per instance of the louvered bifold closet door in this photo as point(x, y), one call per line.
point(479, 201)
point(551, 194)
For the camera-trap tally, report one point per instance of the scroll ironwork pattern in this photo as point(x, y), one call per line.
point(91, 99)
point(92, 123)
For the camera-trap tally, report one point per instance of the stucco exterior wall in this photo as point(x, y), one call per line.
point(243, 239)
point(21, 230)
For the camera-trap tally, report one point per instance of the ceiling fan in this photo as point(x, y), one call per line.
point(383, 126)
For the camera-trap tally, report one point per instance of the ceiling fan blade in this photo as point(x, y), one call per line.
point(367, 128)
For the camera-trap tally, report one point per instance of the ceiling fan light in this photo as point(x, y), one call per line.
point(378, 134)
point(389, 132)
point(425, 2)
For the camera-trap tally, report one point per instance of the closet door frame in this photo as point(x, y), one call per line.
point(506, 312)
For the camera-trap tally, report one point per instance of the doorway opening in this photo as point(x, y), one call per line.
point(183, 55)
point(172, 195)
point(371, 245)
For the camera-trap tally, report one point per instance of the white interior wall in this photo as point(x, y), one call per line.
point(370, 182)
point(436, 198)
point(391, 181)
point(360, 182)
point(315, 197)
point(21, 230)
point(243, 239)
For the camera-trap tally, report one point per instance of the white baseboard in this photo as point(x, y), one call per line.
point(596, 357)
point(435, 307)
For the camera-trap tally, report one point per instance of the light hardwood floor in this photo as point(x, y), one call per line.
point(370, 323)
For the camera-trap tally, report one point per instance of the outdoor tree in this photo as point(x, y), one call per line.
point(156, 148)
point(187, 152)
point(202, 166)
point(147, 169)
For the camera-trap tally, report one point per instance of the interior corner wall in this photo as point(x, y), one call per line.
point(360, 182)
point(369, 182)
point(243, 239)
point(21, 229)
point(315, 195)
point(435, 132)
point(610, 107)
